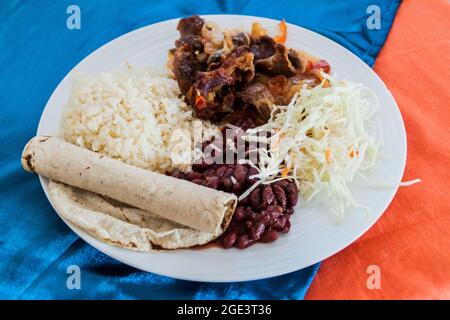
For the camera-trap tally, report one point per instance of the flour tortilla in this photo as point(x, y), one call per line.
point(160, 210)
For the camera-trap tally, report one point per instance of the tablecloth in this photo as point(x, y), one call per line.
point(37, 49)
point(410, 244)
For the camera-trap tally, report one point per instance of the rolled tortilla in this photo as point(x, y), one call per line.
point(177, 200)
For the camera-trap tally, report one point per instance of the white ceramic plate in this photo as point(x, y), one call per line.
point(314, 235)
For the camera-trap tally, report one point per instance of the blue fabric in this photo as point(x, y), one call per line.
point(36, 51)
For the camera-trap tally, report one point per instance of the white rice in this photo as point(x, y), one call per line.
point(130, 115)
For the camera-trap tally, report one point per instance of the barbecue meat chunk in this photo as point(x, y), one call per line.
point(187, 58)
point(185, 67)
point(283, 62)
point(240, 64)
point(264, 91)
point(262, 47)
point(212, 93)
point(191, 25)
point(190, 32)
point(241, 39)
point(259, 96)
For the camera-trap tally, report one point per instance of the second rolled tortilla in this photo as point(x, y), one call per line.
point(183, 202)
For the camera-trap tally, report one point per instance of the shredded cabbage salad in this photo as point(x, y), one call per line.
point(321, 140)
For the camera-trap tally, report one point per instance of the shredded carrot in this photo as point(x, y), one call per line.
point(328, 155)
point(285, 172)
point(281, 38)
point(353, 153)
point(200, 102)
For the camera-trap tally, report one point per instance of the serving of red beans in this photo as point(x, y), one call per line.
point(260, 216)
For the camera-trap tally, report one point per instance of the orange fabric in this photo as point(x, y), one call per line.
point(411, 242)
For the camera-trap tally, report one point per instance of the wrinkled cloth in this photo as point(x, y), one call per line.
point(411, 242)
point(36, 51)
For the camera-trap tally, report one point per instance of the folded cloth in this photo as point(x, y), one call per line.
point(37, 50)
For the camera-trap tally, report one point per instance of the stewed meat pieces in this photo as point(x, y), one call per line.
point(244, 72)
point(279, 63)
point(186, 62)
point(213, 93)
point(258, 95)
point(190, 32)
point(262, 47)
point(185, 67)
